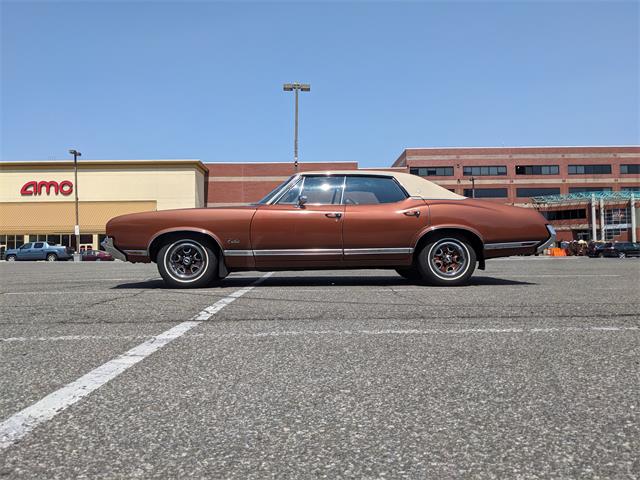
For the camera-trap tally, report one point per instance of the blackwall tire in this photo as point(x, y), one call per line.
point(11, 258)
point(187, 263)
point(52, 257)
point(447, 261)
point(410, 273)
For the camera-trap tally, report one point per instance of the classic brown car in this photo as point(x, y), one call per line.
point(331, 220)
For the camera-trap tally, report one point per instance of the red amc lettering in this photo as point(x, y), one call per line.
point(34, 187)
point(48, 185)
point(66, 188)
point(29, 188)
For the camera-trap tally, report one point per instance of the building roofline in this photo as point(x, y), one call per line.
point(279, 163)
point(4, 164)
point(520, 146)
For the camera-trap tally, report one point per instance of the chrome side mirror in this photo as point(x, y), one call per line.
point(301, 201)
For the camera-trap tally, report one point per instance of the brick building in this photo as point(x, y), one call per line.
point(516, 174)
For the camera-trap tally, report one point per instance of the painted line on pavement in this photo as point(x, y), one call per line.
point(284, 333)
point(17, 426)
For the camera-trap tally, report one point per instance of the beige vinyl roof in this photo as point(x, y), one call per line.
point(416, 186)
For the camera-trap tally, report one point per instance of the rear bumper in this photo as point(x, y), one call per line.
point(549, 242)
point(110, 248)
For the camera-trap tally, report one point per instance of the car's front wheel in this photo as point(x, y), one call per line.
point(621, 255)
point(447, 260)
point(187, 263)
point(11, 258)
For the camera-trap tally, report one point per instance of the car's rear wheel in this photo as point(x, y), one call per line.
point(52, 257)
point(621, 255)
point(11, 258)
point(410, 273)
point(187, 263)
point(447, 260)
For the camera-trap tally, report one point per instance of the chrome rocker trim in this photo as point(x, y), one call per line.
point(107, 244)
point(508, 245)
point(378, 251)
point(318, 251)
point(298, 251)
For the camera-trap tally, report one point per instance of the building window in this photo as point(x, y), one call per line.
point(589, 189)
point(537, 170)
point(630, 168)
point(536, 192)
point(484, 171)
point(486, 192)
point(631, 189)
point(565, 214)
point(432, 171)
point(589, 169)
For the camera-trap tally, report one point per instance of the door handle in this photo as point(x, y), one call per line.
point(412, 213)
point(333, 215)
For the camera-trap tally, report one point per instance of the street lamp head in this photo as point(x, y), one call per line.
point(303, 87)
point(75, 152)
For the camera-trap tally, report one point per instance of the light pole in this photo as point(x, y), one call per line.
point(76, 230)
point(296, 87)
point(473, 187)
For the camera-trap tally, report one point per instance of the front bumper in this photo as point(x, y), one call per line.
point(549, 242)
point(110, 248)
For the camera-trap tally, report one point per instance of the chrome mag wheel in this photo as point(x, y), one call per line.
point(449, 259)
point(186, 260)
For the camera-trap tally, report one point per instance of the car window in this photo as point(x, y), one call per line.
point(38, 245)
point(26, 246)
point(362, 190)
point(318, 190)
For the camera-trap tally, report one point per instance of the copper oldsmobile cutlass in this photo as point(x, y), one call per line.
point(329, 220)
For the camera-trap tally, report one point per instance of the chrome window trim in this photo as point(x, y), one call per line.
point(378, 251)
point(505, 245)
point(285, 188)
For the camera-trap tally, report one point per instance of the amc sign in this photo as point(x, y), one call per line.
point(51, 186)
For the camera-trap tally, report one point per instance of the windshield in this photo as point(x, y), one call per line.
point(275, 191)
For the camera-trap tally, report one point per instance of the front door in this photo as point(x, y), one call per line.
point(303, 228)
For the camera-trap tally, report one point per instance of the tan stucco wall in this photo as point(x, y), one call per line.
point(59, 217)
point(170, 184)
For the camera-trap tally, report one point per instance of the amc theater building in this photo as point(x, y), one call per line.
point(37, 198)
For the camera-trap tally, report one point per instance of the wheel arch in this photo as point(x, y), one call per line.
point(175, 233)
point(474, 238)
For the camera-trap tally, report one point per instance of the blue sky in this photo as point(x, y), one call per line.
point(204, 79)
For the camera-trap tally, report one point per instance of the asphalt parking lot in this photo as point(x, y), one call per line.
point(532, 371)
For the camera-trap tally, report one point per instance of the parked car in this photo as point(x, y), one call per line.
point(594, 250)
point(96, 256)
point(39, 251)
point(622, 250)
point(329, 220)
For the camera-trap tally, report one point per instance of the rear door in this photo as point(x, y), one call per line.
point(37, 252)
point(286, 234)
point(381, 220)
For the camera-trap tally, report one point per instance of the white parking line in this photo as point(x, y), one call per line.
point(17, 426)
point(296, 333)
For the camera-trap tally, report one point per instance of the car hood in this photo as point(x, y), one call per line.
point(11, 250)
